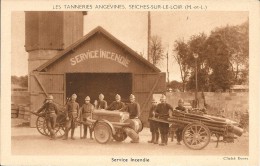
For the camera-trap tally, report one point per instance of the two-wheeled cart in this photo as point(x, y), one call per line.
point(197, 129)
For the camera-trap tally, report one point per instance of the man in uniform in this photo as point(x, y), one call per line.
point(101, 103)
point(72, 112)
point(85, 111)
point(116, 105)
point(178, 132)
point(133, 108)
point(51, 112)
point(153, 125)
point(162, 112)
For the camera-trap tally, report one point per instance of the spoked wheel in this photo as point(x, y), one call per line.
point(41, 125)
point(196, 136)
point(120, 135)
point(59, 127)
point(102, 132)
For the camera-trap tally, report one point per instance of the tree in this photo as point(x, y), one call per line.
point(222, 58)
point(156, 50)
point(184, 57)
point(181, 56)
point(175, 85)
point(236, 38)
point(22, 80)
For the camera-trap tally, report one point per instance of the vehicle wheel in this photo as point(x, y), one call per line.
point(41, 126)
point(60, 126)
point(120, 136)
point(102, 132)
point(196, 136)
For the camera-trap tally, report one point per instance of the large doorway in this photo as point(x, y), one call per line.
point(92, 84)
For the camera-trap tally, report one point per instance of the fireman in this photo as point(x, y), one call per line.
point(116, 105)
point(51, 112)
point(178, 132)
point(85, 111)
point(101, 103)
point(133, 108)
point(72, 112)
point(153, 125)
point(162, 112)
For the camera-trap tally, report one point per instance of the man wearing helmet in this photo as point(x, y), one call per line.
point(153, 125)
point(85, 111)
point(101, 103)
point(133, 108)
point(51, 112)
point(71, 112)
point(116, 105)
point(178, 132)
point(162, 112)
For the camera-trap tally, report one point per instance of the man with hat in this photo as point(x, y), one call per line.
point(178, 132)
point(101, 103)
point(133, 108)
point(153, 125)
point(51, 112)
point(85, 111)
point(116, 105)
point(162, 112)
point(71, 112)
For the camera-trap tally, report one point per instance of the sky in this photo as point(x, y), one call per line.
point(131, 29)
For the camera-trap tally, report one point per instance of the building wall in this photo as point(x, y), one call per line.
point(104, 65)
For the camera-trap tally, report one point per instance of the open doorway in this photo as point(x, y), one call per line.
point(92, 84)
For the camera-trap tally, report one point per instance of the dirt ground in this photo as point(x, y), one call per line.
point(27, 141)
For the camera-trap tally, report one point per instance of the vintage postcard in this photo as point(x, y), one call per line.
point(130, 82)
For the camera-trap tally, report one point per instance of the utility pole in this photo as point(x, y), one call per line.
point(149, 37)
point(168, 75)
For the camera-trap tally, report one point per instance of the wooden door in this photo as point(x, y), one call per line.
point(43, 84)
point(144, 86)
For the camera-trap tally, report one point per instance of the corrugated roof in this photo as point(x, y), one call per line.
point(98, 29)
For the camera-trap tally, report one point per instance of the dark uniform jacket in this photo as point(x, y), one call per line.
point(162, 110)
point(115, 105)
point(152, 110)
point(133, 109)
point(50, 108)
point(101, 104)
point(72, 109)
point(86, 110)
point(181, 108)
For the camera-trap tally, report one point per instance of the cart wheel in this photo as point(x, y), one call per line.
point(102, 132)
point(41, 125)
point(60, 126)
point(120, 136)
point(196, 136)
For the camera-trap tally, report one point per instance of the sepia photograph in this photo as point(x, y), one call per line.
point(153, 81)
point(130, 86)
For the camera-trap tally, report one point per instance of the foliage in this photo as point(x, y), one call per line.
point(156, 50)
point(222, 58)
point(175, 86)
point(22, 80)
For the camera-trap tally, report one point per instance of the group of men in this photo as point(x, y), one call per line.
point(74, 112)
point(163, 111)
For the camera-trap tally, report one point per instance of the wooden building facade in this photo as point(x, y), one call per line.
point(97, 63)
